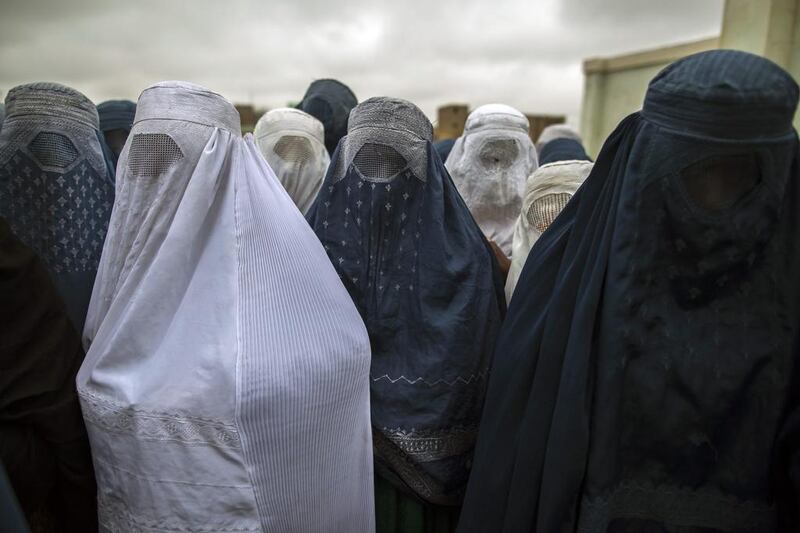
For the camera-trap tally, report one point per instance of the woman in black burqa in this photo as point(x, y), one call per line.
point(646, 377)
point(43, 442)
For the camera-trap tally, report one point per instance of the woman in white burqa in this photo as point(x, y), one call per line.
point(293, 143)
point(489, 164)
point(225, 385)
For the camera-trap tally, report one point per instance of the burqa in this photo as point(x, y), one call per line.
point(646, 376)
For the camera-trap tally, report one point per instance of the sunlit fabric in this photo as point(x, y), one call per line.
point(425, 281)
point(293, 144)
point(43, 442)
point(56, 188)
point(330, 102)
point(489, 164)
point(225, 387)
point(547, 192)
point(556, 131)
point(646, 378)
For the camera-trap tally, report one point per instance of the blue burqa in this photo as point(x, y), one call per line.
point(56, 188)
point(426, 284)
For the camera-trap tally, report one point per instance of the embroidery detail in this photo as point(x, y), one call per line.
point(432, 445)
point(116, 517)
point(458, 379)
point(62, 217)
point(151, 425)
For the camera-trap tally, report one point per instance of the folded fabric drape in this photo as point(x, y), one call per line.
point(225, 386)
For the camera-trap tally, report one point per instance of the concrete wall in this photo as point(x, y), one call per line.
point(615, 87)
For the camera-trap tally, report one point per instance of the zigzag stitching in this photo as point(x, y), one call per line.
point(435, 383)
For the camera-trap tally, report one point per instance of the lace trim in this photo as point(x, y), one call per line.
point(432, 445)
point(115, 517)
point(149, 425)
point(677, 506)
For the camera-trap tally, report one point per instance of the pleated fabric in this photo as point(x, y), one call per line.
point(293, 143)
point(547, 192)
point(646, 377)
point(489, 164)
point(56, 187)
point(225, 388)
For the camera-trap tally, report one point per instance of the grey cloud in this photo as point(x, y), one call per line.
point(521, 52)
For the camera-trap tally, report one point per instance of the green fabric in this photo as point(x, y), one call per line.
point(397, 512)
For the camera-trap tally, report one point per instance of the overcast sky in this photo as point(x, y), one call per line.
point(525, 53)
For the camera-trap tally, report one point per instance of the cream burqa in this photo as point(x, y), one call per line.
point(547, 191)
point(226, 385)
point(489, 164)
point(293, 143)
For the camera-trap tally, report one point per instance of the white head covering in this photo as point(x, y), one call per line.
point(226, 385)
point(293, 143)
point(547, 191)
point(489, 164)
point(556, 131)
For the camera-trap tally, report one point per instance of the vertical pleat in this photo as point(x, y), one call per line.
point(303, 364)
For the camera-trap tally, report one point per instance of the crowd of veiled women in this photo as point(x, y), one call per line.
point(336, 324)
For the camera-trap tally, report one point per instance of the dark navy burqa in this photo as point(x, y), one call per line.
point(56, 185)
point(562, 149)
point(646, 377)
point(427, 286)
point(330, 102)
point(444, 147)
point(116, 119)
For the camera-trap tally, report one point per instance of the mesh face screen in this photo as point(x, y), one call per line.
point(718, 183)
point(544, 211)
point(151, 154)
point(498, 154)
point(53, 150)
point(379, 161)
point(293, 149)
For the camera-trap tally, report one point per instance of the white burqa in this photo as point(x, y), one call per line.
point(225, 387)
point(489, 164)
point(293, 143)
point(547, 191)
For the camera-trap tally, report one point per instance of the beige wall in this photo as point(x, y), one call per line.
point(767, 27)
point(615, 87)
